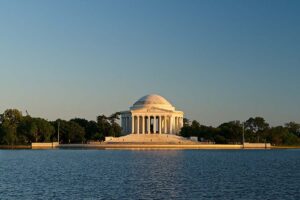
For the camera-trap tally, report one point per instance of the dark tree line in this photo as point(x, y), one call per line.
point(255, 130)
point(17, 129)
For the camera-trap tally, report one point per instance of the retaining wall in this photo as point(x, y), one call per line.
point(49, 145)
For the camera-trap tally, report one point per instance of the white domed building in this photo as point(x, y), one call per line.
point(152, 114)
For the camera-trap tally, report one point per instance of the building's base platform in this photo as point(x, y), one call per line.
point(151, 142)
point(149, 139)
point(160, 146)
point(134, 141)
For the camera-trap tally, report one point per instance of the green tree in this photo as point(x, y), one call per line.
point(103, 125)
point(231, 131)
point(115, 130)
point(35, 130)
point(186, 122)
point(293, 128)
point(11, 116)
point(70, 132)
point(27, 129)
point(275, 135)
point(82, 122)
point(10, 120)
point(257, 126)
point(114, 117)
point(189, 130)
point(1, 134)
point(45, 130)
point(10, 135)
point(195, 125)
point(91, 129)
point(219, 139)
point(186, 131)
point(207, 133)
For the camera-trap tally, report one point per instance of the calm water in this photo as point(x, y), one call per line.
point(161, 174)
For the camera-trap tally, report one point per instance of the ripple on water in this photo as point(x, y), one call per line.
point(160, 174)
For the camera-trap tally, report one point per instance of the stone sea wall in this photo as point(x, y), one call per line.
point(49, 145)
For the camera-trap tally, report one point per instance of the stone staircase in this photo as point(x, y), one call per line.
point(149, 139)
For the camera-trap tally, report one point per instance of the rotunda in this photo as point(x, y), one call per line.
point(152, 114)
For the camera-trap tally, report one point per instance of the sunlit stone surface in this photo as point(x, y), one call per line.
point(152, 114)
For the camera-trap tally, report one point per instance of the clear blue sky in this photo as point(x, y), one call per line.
point(216, 60)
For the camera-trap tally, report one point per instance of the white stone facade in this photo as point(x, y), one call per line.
point(152, 114)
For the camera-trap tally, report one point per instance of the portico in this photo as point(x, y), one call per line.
point(152, 114)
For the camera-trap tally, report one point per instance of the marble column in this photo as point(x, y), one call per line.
point(122, 123)
point(125, 121)
point(154, 125)
point(143, 124)
point(148, 125)
point(176, 124)
point(165, 126)
point(126, 124)
point(171, 125)
point(138, 125)
point(159, 124)
point(132, 124)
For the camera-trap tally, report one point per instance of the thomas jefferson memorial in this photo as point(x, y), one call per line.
point(152, 114)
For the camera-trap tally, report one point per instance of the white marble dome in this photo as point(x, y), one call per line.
point(151, 114)
point(153, 100)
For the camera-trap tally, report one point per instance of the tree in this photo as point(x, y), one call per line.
point(75, 132)
point(10, 120)
point(113, 117)
point(257, 126)
point(27, 130)
point(18, 129)
point(115, 129)
point(35, 130)
point(44, 129)
point(190, 130)
point(208, 133)
point(9, 136)
point(80, 121)
point(70, 132)
point(91, 129)
point(275, 135)
point(231, 131)
point(186, 131)
point(186, 122)
point(92, 132)
point(103, 125)
point(83, 123)
point(293, 128)
point(195, 125)
point(219, 139)
point(11, 116)
point(1, 134)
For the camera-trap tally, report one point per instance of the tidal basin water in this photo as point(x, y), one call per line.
point(150, 174)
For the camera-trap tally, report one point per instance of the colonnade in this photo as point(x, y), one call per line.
point(151, 124)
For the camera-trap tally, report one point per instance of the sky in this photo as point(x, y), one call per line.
point(215, 60)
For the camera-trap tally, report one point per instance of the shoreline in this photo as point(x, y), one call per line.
point(15, 147)
point(144, 147)
point(285, 147)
